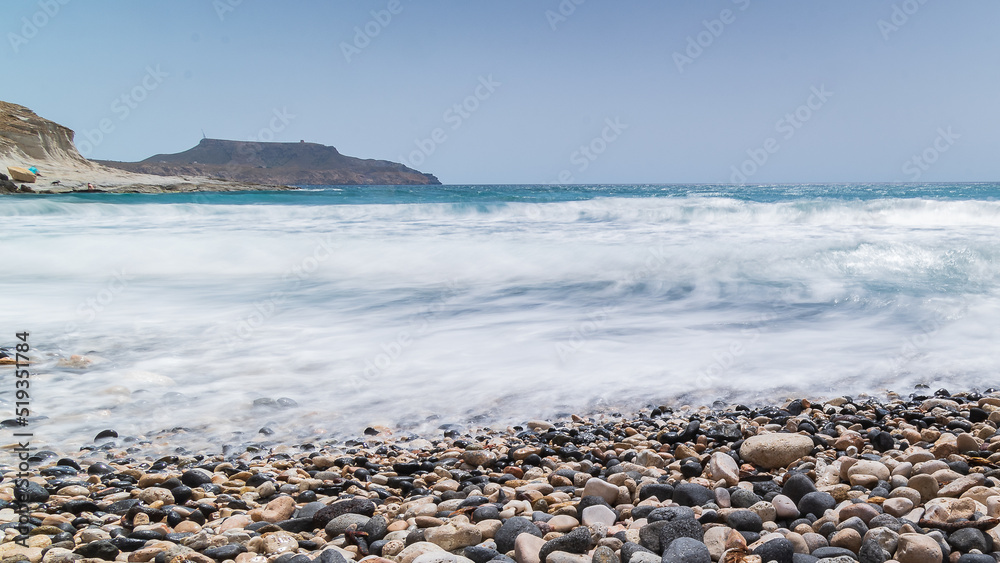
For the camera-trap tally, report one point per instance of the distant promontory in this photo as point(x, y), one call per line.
point(44, 154)
point(276, 163)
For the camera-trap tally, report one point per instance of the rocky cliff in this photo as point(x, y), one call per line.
point(282, 163)
point(29, 140)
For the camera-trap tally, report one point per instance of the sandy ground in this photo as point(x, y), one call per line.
point(63, 176)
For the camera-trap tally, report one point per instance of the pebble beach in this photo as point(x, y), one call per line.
point(912, 478)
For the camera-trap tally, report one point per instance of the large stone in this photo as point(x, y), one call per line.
point(798, 485)
point(604, 554)
point(778, 549)
point(686, 550)
point(602, 489)
point(961, 485)
point(415, 550)
point(279, 509)
point(577, 541)
point(682, 528)
point(564, 523)
point(884, 537)
point(629, 549)
point(692, 494)
point(869, 467)
point(564, 557)
point(917, 548)
point(453, 535)
point(848, 538)
point(897, 506)
point(715, 539)
point(862, 510)
point(772, 451)
point(967, 539)
point(816, 503)
point(722, 466)
point(60, 555)
point(784, 507)
point(348, 506)
point(153, 494)
point(101, 549)
point(598, 514)
point(512, 528)
point(744, 521)
point(340, 524)
point(926, 485)
point(276, 543)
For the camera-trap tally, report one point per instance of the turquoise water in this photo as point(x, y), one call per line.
point(421, 305)
point(494, 194)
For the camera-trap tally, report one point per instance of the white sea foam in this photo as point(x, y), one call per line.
point(385, 313)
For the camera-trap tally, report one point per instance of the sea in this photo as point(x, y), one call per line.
point(227, 321)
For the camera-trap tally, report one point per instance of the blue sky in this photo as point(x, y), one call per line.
point(531, 91)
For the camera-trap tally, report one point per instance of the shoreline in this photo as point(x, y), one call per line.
point(915, 479)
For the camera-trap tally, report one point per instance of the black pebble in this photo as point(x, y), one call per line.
point(101, 549)
point(692, 494)
point(779, 550)
point(816, 503)
point(225, 552)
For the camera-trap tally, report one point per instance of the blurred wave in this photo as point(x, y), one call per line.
point(512, 303)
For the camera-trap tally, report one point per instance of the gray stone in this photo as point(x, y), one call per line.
point(744, 521)
point(687, 550)
point(683, 528)
point(797, 486)
point(742, 498)
point(670, 513)
point(778, 549)
point(629, 549)
point(828, 552)
point(691, 494)
point(816, 503)
point(967, 539)
point(341, 523)
point(577, 541)
point(604, 554)
point(872, 552)
point(512, 528)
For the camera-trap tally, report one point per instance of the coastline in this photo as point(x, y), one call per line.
point(912, 479)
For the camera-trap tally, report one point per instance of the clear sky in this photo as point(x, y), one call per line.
point(531, 91)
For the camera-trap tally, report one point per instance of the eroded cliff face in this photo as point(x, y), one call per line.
point(27, 139)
